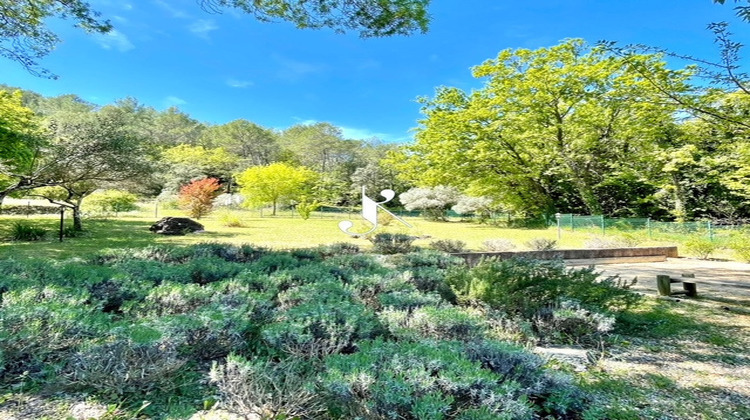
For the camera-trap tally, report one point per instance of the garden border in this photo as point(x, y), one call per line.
point(620, 254)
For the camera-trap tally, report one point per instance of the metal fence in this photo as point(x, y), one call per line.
point(653, 229)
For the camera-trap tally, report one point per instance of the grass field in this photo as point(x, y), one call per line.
point(281, 232)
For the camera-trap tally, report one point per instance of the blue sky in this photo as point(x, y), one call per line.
point(221, 67)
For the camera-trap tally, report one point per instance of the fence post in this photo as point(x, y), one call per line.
point(603, 229)
point(62, 222)
point(572, 223)
point(648, 226)
point(710, 232)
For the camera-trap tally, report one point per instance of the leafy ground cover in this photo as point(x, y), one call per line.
point(165, 331)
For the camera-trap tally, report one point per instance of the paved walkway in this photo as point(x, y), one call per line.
point(706, 270)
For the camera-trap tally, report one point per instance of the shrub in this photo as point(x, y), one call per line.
point(523, 287)
point(266, 389)
point(126, 369)
point(598, 242)
point(338, 248)
point(426, 258)
point(24, 231)
point(210, 333)
point(305, 209)
point(408, 300)
point(112, 201)
point(230, 219)
point(740, 244)
point(701, 247)
point(392, 243)
point(541, 244)
point(205, 270)
point(434, 322)
point(448, 245)
point(197, 197)
point(568, 323)
point(437, 378)
point(498, 245)
point(315, 329)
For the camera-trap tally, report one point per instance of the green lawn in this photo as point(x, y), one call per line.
point(281, 232)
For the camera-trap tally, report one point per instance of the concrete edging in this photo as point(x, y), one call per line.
point(472, 258)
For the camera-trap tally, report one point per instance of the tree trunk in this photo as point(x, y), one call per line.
point(274, 208)
point(77, 219)
point(679, 210)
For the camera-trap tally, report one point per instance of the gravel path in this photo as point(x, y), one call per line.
point(704, 270)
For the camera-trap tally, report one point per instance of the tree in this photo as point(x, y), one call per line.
point(547, 127)
point(25, 38)
point(256, 145)
point(370, 18)
point(433, 201)
point(21, 137)
point(192, 162)
point(742, 11)
point(275, 183)
point(86, 152)
point(197, 197)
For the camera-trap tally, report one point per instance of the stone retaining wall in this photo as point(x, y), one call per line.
point(472, 258)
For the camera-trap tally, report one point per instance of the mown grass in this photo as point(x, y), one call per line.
point(673, 360)
point(280, 232)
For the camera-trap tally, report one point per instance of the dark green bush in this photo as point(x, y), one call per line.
point(523, 287)
point(426, 258)
point(231, 253)
point(408, 300)
point(391, 243)
point(273, 262)
point(210, 333)
point(25, 231)
point(204, 270)
point(315, 329)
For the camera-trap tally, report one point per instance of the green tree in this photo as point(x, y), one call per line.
point(548, 126)
point(25, 38)
point(256, 145)
point(742, 11)
point(275, 183)
point(21, 137)
point(86, 152)
point(192, 162)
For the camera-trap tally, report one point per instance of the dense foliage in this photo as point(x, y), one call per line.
point(316, 333)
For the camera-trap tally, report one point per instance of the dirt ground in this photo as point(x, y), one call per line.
point(729, 271)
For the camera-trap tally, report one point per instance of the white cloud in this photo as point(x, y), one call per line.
point(203, 27)
point(293, 70)
point(114, 40)
point(175, 12)
point(239, 83)
point(171, 101)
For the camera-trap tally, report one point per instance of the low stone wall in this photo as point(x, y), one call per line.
point(472, 258)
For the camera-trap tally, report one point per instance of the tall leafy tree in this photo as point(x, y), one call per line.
point(89, 151)
point(256, 145)
point(21, 137)
point(548, 126)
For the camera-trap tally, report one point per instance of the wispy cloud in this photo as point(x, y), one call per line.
point(239, 83)
point(171, 101)
point(293, 70)
point(114, 40)
point(175, 12)
point(203, 27)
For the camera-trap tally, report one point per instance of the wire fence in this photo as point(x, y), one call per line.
point(652, 228)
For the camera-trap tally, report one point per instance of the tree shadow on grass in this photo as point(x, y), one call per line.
point(660, 320)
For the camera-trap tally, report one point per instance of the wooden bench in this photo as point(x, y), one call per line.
point(690, 285)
